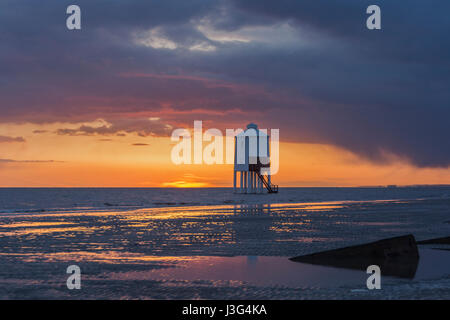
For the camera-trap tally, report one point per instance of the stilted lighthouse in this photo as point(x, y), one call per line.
point(252, 162)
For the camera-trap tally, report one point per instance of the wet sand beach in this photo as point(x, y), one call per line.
point(216, 252)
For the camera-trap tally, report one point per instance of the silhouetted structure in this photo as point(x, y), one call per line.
point(252, 161)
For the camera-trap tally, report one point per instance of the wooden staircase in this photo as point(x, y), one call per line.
point(271, 188)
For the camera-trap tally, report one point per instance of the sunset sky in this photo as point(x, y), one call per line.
point(97, 106)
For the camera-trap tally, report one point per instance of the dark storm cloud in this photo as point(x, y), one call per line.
point(312, 69)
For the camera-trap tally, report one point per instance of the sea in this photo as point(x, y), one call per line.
point(35, 200)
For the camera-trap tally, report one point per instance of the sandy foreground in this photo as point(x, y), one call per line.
point(217, 252)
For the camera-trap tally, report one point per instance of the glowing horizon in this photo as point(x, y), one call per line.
point(43, 159)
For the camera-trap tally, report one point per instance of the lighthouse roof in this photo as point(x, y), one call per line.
point(252, 129)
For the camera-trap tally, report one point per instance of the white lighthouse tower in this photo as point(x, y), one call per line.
point(252, 161)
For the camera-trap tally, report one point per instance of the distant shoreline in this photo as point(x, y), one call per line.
point(281, 187)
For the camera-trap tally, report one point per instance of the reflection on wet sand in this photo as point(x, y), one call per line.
point(240, 229)
point(397, 256)
point(250, 270)
point(224, 246)
point(279, 207)
point(280, 271)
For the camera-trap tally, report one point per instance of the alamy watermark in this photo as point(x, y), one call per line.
point(374, 280)
point(237, 147)
point(374, 20)
point(74, 280)
point(73, 22)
